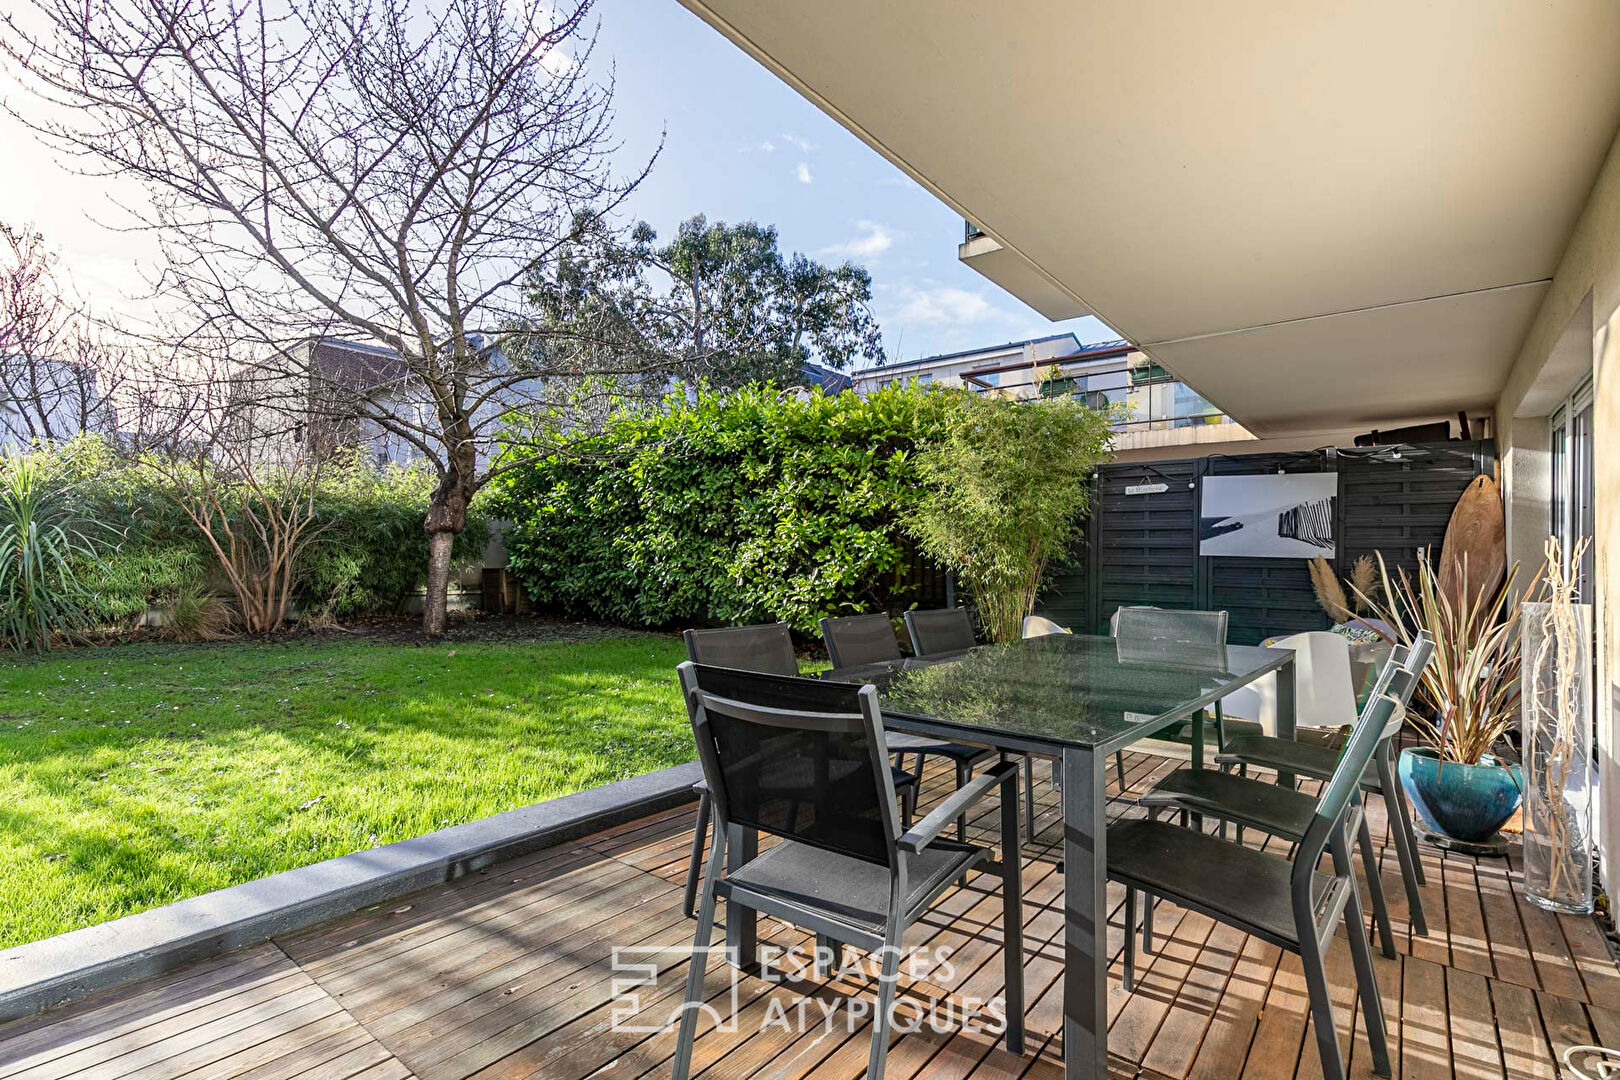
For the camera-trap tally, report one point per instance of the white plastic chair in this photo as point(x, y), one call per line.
point(1324, 692)
point(1041, 626)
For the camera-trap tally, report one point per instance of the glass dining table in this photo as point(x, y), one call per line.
point(1077, 700)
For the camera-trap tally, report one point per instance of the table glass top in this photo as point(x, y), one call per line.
point(1066, 689)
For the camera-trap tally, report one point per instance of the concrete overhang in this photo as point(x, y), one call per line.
point(1313, 213)
point(1019, 276)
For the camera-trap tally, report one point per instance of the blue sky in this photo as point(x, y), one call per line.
point(741, 145)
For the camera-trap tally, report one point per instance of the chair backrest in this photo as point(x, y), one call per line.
point(1041, 626)
point(767, 647)
point(1381, 711)
point(860, 639)
point(800, 758)
point(942, 630)
point(1204, 628)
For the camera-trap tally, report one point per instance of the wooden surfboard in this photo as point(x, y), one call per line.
point(1477, 533)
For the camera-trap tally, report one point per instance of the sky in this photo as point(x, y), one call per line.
point(738, 144)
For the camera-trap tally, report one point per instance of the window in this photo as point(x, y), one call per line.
point(1573, 488)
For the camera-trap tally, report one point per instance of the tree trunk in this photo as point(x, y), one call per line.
point(446, 517)
point(434, 608)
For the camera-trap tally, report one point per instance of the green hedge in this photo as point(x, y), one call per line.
point(738, 508)
point(372, 553)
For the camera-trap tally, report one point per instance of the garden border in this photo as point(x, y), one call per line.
point(56, 970)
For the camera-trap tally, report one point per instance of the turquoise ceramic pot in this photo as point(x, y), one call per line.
point(1465, 802)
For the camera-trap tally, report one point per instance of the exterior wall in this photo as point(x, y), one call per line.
point(1577, 329)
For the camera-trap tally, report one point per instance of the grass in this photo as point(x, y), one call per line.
point(141, 774)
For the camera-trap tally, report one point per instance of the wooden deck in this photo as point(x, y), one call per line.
point(507, 974)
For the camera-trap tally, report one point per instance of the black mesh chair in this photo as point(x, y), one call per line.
point(1291, 904)
point(853, 640)
point(943, 630)
point(1317, 760)
point(1193, 634)
point(1282, 811)
point(806, 761)
point(767, 648)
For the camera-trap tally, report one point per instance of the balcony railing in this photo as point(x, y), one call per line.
point(1145, 397)
point(970, 230)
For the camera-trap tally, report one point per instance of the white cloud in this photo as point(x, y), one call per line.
point(873, 241)
point(803, 172)
point(941, 305)
point(803, 145)
point(768, 146)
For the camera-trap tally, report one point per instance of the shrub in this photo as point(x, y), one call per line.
point(1005, 489)
point(728, 508)
point(45, 547)
point(371, 553)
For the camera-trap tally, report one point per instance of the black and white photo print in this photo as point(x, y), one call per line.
point(1269, 516)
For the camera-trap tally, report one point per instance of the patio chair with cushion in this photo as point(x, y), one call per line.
point(853, 640)
point(767, 648)
point(805, 760)
point(1282, 811)
point(1290, 904)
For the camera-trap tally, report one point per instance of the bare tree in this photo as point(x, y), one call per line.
point(381, 172)
point(58, 372)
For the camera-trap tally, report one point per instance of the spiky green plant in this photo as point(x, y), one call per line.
point(1470, 689)
point(41, 546)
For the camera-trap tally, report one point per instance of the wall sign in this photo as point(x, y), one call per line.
point(1147, 489)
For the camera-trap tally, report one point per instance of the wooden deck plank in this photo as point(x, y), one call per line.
point(1425, 1029)
point(1465, 921)
point(1476, 1053)
point(1593, 960)
point(1510, 951)
point(1525, 1052)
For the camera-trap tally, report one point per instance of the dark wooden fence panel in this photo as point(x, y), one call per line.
point(1143, 548)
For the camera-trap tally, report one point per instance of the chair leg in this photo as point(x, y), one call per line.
point(1405, 845)
point(1220, 729)
point(964, 773)
point(828, 955)
point(1119, 771)
point(1130, 940)
point(1012, 915)
point(695, 968)
point(694, 865)
point(1372, 1005)
point(1375, 891)
point(889, 973)
point(1316, 985)
point(908, 805)
point(1147, 903)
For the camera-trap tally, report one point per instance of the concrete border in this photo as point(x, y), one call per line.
point(56, 970)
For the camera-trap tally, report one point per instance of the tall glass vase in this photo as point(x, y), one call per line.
point(1556, 703)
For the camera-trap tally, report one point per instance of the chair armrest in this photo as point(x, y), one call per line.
point(945, 814)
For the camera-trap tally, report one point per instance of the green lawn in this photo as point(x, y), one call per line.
point(140, 774)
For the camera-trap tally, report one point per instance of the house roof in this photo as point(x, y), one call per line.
point(968, 352)
point(831, 381)
point(355, 365)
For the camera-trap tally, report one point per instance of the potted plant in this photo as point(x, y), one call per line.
point(1467, 700)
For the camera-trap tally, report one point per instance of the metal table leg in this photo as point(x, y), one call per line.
point(1085, 926)
point(1287, 718)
